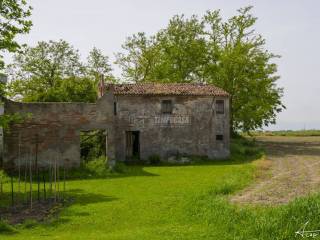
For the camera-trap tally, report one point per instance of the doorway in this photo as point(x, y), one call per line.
point(93, 145)
point(132, 145)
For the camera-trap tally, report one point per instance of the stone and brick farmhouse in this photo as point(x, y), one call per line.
point(140, 121)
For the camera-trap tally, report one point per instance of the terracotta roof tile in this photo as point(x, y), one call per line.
point(187, 89)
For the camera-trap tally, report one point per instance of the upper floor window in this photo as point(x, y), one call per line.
point(220, 106)
point(219, 137)
point(166, 106)
point(115, 108)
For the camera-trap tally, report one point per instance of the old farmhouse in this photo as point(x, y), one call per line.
point(139, 120)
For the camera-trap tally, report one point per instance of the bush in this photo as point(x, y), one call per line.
point(3, 176)
point(243, 148)
point(154, 159)
point(98, 167)
point(30, 223)
point(237, 148)
point(120, 167)
point(6, 228)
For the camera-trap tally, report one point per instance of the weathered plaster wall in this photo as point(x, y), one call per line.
point(190, 130)
point(56, 127)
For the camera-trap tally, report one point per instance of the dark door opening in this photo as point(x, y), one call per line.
point(132, 145)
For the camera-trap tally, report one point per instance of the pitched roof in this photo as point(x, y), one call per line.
point(187, 89)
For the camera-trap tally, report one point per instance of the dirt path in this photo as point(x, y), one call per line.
point(295, 171)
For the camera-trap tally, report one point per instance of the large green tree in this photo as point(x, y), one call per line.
point(53, 72)
point(139, 59)
point(47, 62)
point(229, 54)
point(174, 54)
point(98, 66)
point(14, 20)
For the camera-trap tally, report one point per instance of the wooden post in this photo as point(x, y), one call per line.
point(44, 186)
point(19, 164)
point(58, 178)
point(30, 173)
point(55, 179)
point(25, 177)
point(12, 193)
point(37, 167)
point(64, 179)
point(50, 177)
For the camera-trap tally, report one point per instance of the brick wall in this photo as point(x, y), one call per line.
point(52, 131)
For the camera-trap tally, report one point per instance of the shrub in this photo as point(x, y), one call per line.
point(98, 167)
point(244, 147)
point(120, 167)
point(30, 223)
point(154, 159)
point(6, 228)
point(237, 148)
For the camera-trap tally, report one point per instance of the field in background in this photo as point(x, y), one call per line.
point(288, 133)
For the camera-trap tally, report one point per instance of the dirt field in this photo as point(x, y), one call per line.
point(294, 170)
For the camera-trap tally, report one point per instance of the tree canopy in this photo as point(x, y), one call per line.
point(229, 54)
point(53, 72)
point(14, 20)
point(98, 65)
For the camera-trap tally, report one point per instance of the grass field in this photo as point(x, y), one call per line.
point(173, 202)
point(288, 133)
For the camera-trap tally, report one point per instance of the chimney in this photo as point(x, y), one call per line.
point(101, 86)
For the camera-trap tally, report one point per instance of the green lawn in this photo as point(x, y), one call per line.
point(151, 203)
point(171, 202)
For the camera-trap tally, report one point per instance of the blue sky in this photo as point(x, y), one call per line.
point(291, 29)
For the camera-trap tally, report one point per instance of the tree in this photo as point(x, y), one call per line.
point(77, 89)
point(98, 65)
point(183, 49)
point(36, 72)
point(239, 63)
point(46, 63)
point(7, 119)
point(52, 72)
point(71, 89)
point(14, 20)
point(139, 59)
point(174, 54)
point(228, 54)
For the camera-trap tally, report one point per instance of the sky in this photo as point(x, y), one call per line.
point(290, 27)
